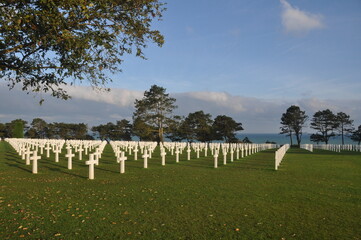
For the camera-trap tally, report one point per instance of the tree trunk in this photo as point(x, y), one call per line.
point(160, 135)
point(291, 138)
point(343, 142)
point(298, 137)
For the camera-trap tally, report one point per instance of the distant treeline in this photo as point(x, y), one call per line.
point(39, 128)
point(197, 126)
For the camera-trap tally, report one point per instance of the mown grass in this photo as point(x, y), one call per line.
point(311, 196)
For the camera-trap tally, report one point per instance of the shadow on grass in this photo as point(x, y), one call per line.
point(56, 165)
point(105, 170)
point(13, 160)
point(19, 167)
point(60, 170)
point(75, 175)
point(196, 164)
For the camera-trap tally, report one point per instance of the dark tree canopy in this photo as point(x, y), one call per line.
point(345, 125)
point(67, 130)
point(18, 129)
point(293, 120)
point(38, 128)
point(2, 130)
point(246, 140)
point(44, 43)
point(356, 135)
point(198, 126)
point(122, 130)
point(154, 111)
point(13, 129)
point(325, 123)
point(175, 130)
point(225, 128)
point(144, 131)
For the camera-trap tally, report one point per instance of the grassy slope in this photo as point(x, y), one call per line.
point(312, 196)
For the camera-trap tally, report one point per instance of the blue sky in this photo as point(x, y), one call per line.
point(244, 48)
point(249, 59)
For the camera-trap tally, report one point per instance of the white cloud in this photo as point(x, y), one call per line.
point(221, 99)
point(297, 21)
point(119, 97)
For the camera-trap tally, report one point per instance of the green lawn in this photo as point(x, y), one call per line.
point(311, 196)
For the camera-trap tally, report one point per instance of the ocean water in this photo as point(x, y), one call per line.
point(282, 139)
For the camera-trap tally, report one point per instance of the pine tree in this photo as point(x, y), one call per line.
point(153, 112)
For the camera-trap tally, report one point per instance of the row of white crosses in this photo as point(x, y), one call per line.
point(238, 148)
point(94, 158)
point(121, 148)
point(351, 147)
point(177, 148)
point(308, 147)
point(338, 147)
point(214, 148)
point(328, 147)
point(279, 154)
point(28, 149)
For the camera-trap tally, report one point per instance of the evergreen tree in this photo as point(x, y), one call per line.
point(38, 128)
point(292, 122)
point(175, 131)
point(18, 129)
point(225, 128)
point(325, 123)
point(153, 112)
point(356, 135)
point(345, 125)
point(144, 131)
point(198, 126)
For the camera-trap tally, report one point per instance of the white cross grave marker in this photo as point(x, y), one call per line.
point(224, 156)
point(145, 156)
point(216, 159)
point(70, 155)
point(47, 150)
point(35, 159)
point(97, 155)
point(27, 153)
point(177, 155)
point(163, 153)
point(57, 151)
point(91, 163)
point(188, 153)
point(121, 160)
point(80, 150)
point(136, 153)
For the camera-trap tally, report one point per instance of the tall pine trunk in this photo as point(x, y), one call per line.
point(291, 138)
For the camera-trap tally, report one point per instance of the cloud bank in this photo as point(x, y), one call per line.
point(296, 21)
point(91, 107)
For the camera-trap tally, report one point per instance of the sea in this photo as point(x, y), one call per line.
point(282, 139)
